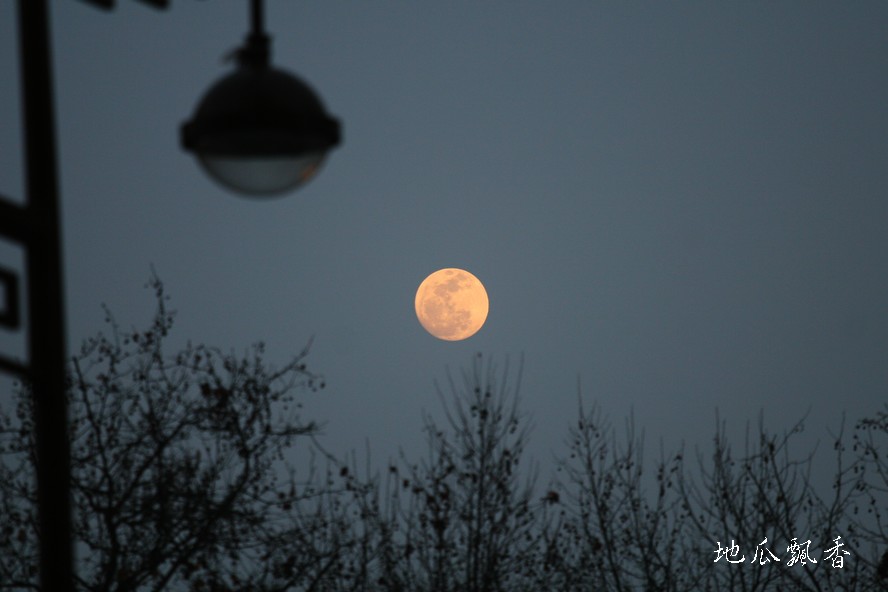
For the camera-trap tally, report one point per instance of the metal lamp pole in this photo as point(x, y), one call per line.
point(36, 227)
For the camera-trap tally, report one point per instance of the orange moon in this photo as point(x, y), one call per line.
point(451, 304)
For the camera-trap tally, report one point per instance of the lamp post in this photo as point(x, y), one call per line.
point(36, 227)
point(260, 131)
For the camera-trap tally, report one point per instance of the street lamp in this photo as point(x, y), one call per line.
point(259, 130)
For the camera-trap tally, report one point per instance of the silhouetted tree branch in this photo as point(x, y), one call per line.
point(177, 462)
point(181, 481)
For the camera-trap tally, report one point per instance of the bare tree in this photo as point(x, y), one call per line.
point(748, 519)
point(764, 496)
point(462, 518)
point(617, 534)
point(181, 481)
point(870, 507)
point(459, 519)
point(178, 468)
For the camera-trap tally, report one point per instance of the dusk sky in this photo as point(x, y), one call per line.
point(681, 206)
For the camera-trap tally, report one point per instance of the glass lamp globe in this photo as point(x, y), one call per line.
point(260, 131)
point(271, 175)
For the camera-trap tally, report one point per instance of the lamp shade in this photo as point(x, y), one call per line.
point(260, 131)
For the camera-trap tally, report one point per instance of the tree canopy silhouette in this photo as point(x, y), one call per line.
point(178, 472)
point(182, 479)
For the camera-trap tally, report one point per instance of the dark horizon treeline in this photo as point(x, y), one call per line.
point(181, 482)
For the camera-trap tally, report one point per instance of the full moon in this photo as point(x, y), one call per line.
point(451, 304)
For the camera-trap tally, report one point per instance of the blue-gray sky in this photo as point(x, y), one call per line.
point(682, 204)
